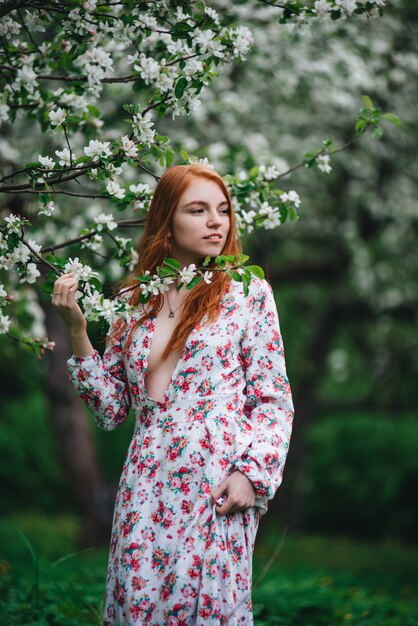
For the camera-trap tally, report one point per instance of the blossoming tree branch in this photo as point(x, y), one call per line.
point(92, 80)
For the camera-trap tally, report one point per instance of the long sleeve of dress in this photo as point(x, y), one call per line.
point(102, 384)
point(269, 404)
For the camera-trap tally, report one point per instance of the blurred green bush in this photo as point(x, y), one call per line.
point(31, 477)
point(362, 476)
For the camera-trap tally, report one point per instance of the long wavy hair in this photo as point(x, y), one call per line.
point(154, 246)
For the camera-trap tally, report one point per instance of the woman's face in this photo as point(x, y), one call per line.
point(201, 222)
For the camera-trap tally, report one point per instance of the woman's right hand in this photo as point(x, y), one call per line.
point(63, 299)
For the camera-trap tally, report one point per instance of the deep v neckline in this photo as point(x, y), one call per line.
point(175, 371)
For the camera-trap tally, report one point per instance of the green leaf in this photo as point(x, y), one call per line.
point(195, 281)
point(255, 270)
point(246, 283)
point(367, 102)
point(184, 155)
point(378, 132)
point(360, 125)
point(394, 119)
point(144, 278)
point(206, 261)
point(242, 258)
point(180, 87)
point(165, 271)
point(173, 263)
point(169, 157)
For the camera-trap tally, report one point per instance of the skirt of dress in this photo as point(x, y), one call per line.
point(173, 560)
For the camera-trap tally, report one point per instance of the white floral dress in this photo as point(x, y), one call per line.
point(173, 560)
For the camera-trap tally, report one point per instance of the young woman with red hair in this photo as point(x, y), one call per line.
point(204, 373)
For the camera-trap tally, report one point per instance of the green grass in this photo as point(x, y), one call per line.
point(298, 580)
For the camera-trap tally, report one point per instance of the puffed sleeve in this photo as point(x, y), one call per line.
point(102, 384)
point(269, 404)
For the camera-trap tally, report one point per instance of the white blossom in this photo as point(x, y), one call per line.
point(112, 169)
point(80, 271)
point(141, 188)
point(242, 39)
point(322, 7)
point(272, 221)
point(9, 27)
point(105, 222)
point(97, 149)
point(5, 323)
point(157, 285)
point(35, 24)
point(90, 303)
point(26, 77)
point(4, 112)
point(129, 147)
point(134, 260)
point(148, 68)
point(93, 243)
point(21, 254)
point(187, 273)
point(6, 261)
point(192, 68)
point(268, 173)
point(46, 162)
point(248, 216)
point(57, 117)
point(14, 223)
point(95, 57)
point(212, 14)
point(109, 310)
point(207, 277)
point(64, 156)
point(47, 209)
point(115, 189)
point(142, 127)
point(32, 273)
point(323, 162)
point(149, 21)
point(89, 5)
point(348, 6)
point(291, 196)
point(3, 294)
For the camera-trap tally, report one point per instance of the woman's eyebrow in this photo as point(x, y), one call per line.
point(202, 202)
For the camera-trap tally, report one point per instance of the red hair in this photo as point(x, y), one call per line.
point(154, 246)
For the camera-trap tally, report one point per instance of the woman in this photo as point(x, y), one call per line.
point(204, 373)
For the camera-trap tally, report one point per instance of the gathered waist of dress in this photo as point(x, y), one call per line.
point(155, 414)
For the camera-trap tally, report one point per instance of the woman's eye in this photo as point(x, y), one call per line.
point(197, 210)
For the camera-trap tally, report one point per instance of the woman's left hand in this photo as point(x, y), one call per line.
point(238, 494)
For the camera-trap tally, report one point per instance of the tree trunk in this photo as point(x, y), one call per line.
point(77, 453)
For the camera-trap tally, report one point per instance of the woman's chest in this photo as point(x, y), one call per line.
point(209, 347)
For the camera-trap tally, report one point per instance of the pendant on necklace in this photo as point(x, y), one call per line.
point(171, 314)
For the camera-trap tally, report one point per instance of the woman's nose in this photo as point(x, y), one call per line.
point(214, 219)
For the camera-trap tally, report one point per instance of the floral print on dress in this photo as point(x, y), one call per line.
point(173, 561)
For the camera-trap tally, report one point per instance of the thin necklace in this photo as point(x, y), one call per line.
point(172, 311)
